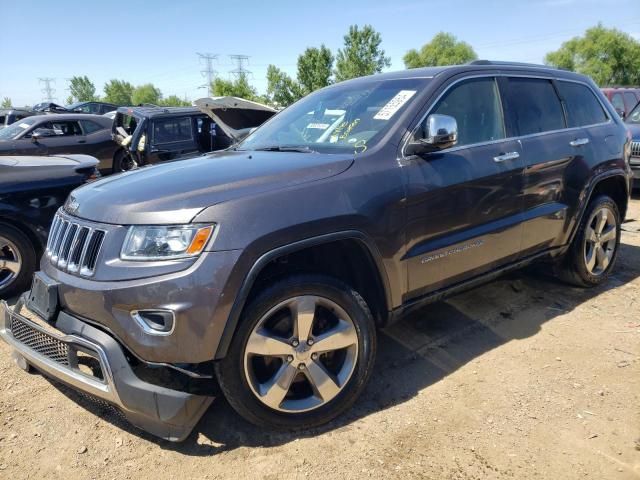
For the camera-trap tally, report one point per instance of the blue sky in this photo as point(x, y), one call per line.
point(157, 41)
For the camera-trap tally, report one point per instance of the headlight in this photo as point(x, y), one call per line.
point(165, 242)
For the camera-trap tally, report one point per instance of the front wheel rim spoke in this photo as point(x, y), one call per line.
point(591, 258)
point(276, 389)
point(341, 336)
point(601, 220)
point(608, 234)
point(591, 235)
point(321, 381)
point(304, 310)
point(11, 265)
point(261, 343)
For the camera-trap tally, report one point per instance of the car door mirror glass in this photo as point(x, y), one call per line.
point(436, 133)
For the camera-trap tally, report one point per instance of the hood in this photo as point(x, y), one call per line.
point(235, 116)
point(174, 193)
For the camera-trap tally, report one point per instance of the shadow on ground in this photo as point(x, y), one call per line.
point(414, 353)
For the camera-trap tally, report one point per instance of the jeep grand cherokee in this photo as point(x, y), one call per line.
point(267, 268)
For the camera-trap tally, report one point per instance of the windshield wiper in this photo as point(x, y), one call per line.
point(285, 148)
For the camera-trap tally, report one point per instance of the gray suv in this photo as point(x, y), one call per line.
point(263, 272)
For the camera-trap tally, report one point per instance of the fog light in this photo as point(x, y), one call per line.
point(155, 322)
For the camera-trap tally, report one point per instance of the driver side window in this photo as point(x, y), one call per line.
point(475, 104)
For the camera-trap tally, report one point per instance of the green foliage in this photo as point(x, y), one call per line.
point(81, 89)
point(282, 90)
point(361, 54)
point(443, 49)
point(607, 55)
point(240, 87)
point(6, 102)
point(174, 101)
point(146, 93)
point(314, 68)
point(118, 92)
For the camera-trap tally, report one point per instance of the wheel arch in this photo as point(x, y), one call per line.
point(266, 268)
point(28, 231)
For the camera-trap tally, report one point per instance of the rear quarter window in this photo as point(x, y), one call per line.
point(172, 130)
point(90, 127)
point(583, 108)
point(535, 105)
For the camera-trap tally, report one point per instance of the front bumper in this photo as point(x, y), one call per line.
point(165, 413)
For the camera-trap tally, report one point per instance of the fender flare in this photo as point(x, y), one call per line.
point(240, 300)
point(587, 193)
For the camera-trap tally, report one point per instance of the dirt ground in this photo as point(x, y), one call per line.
point(522, 378)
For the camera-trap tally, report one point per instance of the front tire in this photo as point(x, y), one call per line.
point(123, 162)
point(17, 261)
point(302, 354)
point(594, 249)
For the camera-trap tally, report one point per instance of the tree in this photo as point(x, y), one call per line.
point(6, 102)
point(607, 55)
point(240, 87)
point(174, 101)
point(282, 90)
point(361, 54)
point(118, 92)
point(443, 49)
point(82, 89)
point(314, 68)
point(146, 93)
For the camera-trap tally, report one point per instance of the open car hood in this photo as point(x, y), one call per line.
point(235, 116)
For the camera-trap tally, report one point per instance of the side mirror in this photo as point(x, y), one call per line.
point(437, 133)
point(42, 133)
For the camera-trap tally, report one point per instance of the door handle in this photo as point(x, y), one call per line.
point(579, 141)
point(82, 141)
point(503, 157)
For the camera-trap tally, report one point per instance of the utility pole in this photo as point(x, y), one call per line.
point(240, 61)
point(48, 90)
point(209, 73)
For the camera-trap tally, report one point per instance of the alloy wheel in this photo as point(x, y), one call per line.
point(301, 354)
point(600, 241)
point(10, 262)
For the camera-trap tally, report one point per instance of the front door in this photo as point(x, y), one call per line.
point(464, 202)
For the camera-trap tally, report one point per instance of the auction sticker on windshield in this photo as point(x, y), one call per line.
point(394, 104)
point(24, 125)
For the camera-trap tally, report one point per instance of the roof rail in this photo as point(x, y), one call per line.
point(515, 64)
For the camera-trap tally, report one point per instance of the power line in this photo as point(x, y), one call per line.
point(48, 90)
point(209, 73)
point(240, 71)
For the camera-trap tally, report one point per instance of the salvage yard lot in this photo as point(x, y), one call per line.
point(521, 378)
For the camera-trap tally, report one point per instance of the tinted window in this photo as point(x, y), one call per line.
point(583, 107)
point(475, 104)
point(630, 99)
point(62, 128)
point(535, 105)
point(617, 102)
point(90, 127)
point(172, 130)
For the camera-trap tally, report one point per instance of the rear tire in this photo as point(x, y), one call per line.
point(17, 261)
point(278, 376)
point(122, 162)
point(594, 249)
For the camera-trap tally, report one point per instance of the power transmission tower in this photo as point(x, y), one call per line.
point(240, 71)
point(48, 90)
point(209, 73)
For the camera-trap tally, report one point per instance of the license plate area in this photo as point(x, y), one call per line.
point(43, 297)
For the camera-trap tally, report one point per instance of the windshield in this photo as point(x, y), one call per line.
point(339, 119)
point(634, 115)
point(15, 129)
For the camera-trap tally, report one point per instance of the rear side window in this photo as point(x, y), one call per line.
point(583, 108)
point(617, 102)
point(535, 105)
point(475, 104)
point(172, 130)
point(630, 99)
point(90, 127)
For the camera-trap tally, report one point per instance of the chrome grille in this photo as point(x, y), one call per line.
point(74, 247)
point(42, 343)
point(635, 149)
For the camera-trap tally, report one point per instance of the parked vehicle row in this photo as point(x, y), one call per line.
point(623, 99)
point(262, 272)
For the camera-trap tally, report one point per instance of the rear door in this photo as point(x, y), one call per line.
point(549, 148)
point(464, 202)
